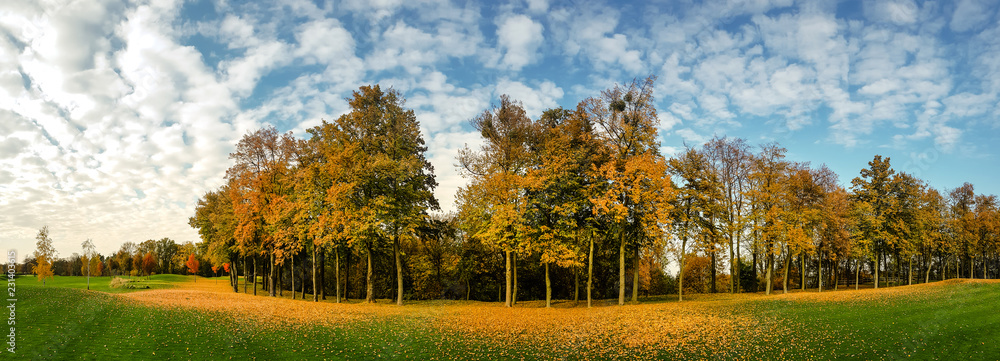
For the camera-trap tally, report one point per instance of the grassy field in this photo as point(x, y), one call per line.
point(186, 320)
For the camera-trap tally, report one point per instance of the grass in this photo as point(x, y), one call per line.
point(957, 320)
point(102, 283)
point(950, 320)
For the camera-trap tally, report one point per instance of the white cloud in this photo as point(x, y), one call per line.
point(519, 37)
point(971, 14)
point(899, 12)
point(537, 99)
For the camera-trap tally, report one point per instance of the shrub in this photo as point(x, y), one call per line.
point(127, 284)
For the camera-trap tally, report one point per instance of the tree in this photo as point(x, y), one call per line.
point(262, 161)
point(124, 257)
point(494, 201)
point(148, 264)
point(872, 189)
point(730, 159)
point(89, 254)
point(44, 255)
point(767, 191)
point(636, 200)
point(216, 224)
point(393, 178)
point(695, 205)
point(193, 264)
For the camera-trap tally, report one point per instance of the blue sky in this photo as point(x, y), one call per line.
point(115, 117)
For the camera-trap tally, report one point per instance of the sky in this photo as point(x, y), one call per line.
point(117, 116)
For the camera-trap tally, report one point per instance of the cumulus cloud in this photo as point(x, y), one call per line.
point(519, 37)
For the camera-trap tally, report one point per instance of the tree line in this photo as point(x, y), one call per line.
point(577, 203)
point(131, 260)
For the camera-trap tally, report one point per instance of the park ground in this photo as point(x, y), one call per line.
point(189, 318)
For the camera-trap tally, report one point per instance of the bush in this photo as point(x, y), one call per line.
point(127, 284)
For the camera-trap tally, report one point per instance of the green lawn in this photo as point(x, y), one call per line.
point(103, 283)
point(61, 321)
point(957, 321)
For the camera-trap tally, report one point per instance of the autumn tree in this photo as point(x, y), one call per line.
point(124, 256)
point(89, 253)
point(148, 264)
point(391, 182)
point(730, 159)
point(695, 205)
point(986, 230)
point(215, 222)
point(193, 264)
point(256, 180)
point(557, 195)
point(44, 255)
point(635, 201)
point(767, 189)
point(494, 201)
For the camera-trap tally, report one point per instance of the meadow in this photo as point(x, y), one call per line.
point(182, 318)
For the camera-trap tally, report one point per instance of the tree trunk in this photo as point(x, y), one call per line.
point(819, 280)
point(399, 271)
point(770, 264)
point(347, 275)
point(246, 274)
point(254, 275)
point(972, 263)
point(909, 274)
point(509, 278)
point(857, 274)
point(590, 269)
point(927, 276)
point(680, 278)
point(271, 291)
point(802, 269)
point(788, 262)
point(370, 285)
point(513, 265)
point(322, 273)
point(291, 274)
point(635, 276)
point(315, 288)
point(548, 288)
point(621, 269)
point(739, 260)
point(878, 266)
point(336, 272)
point(513, 270)
point(836, 275)
point(733, 269)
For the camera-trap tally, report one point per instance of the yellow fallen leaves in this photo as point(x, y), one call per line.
point(706, 326)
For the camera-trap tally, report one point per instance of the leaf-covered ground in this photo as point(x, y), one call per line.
point(206, 320)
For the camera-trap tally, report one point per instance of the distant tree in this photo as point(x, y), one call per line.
point(148, 264)
point(193, 264)
point(44, 255)
point(88, 256)
point(100, 268)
